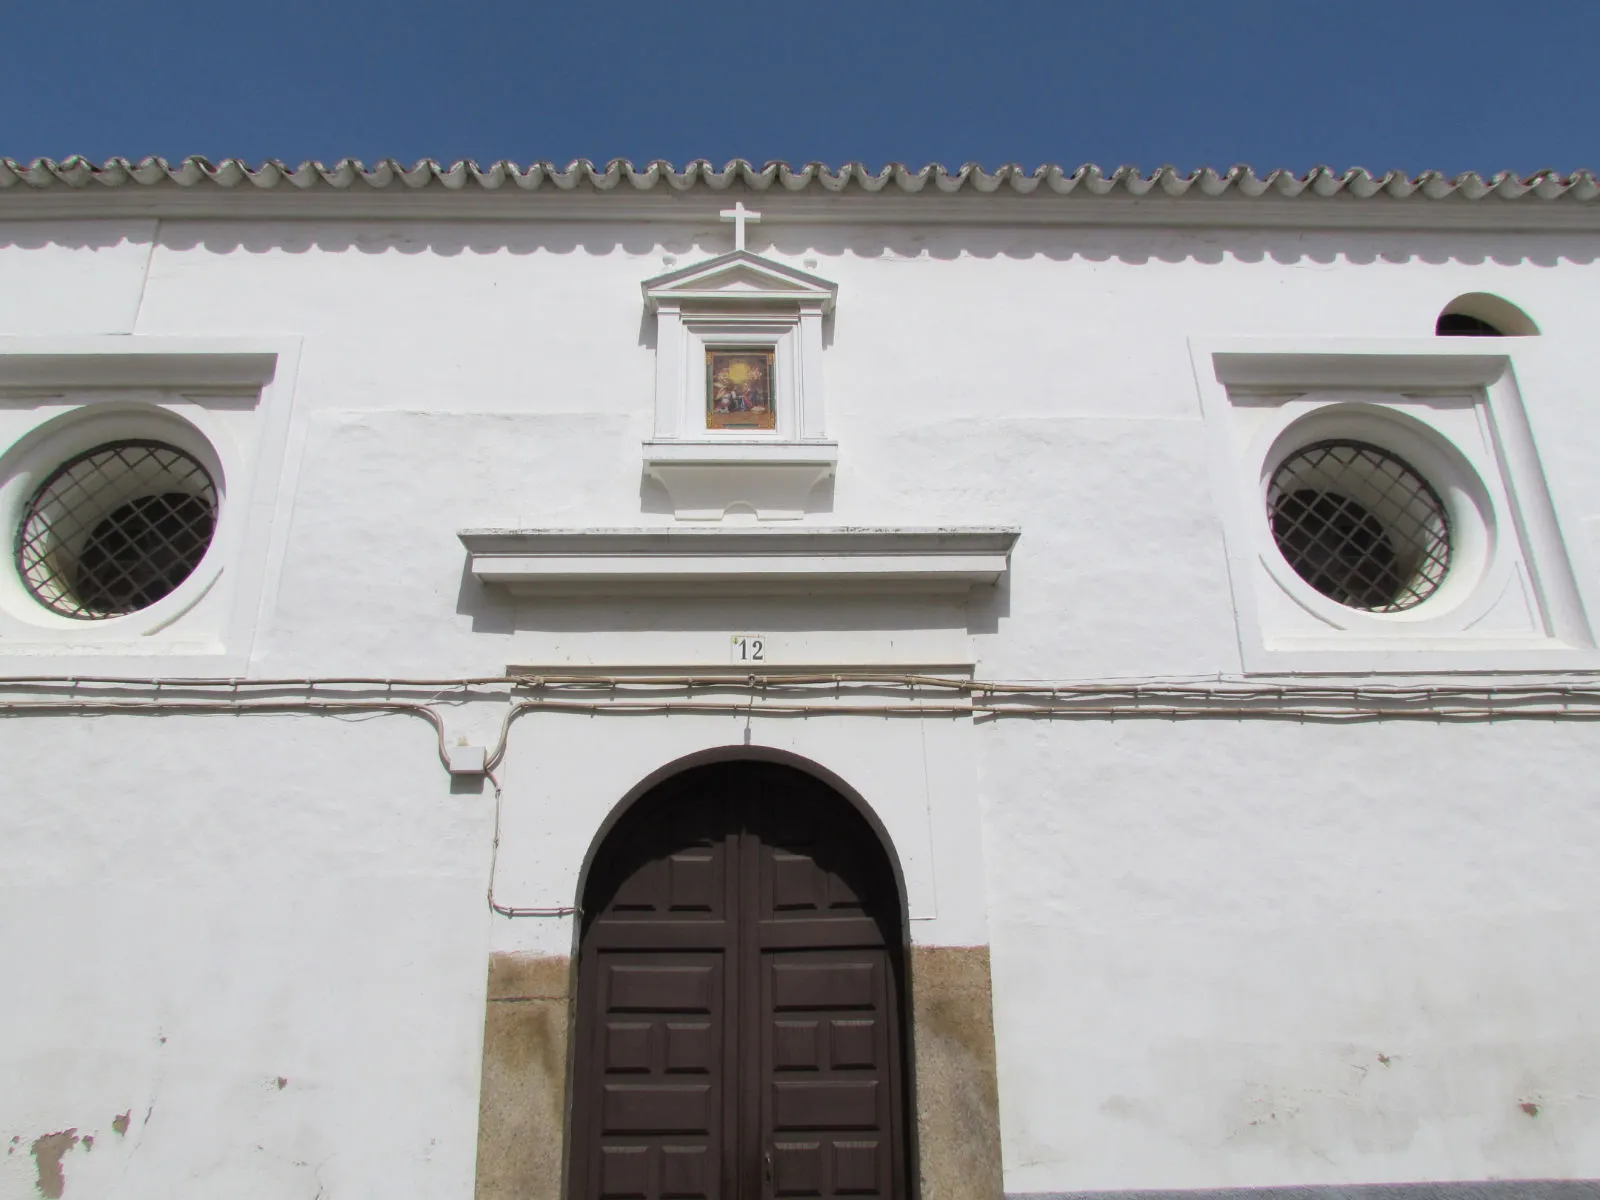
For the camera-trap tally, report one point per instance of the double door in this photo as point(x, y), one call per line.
point(739, 1028)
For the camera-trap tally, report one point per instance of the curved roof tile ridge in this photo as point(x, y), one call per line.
point(79, 173)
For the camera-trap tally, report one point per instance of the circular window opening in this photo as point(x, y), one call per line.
point(115, 529)
point(1359, 525)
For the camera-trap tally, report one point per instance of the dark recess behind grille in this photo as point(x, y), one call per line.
point(84, 561)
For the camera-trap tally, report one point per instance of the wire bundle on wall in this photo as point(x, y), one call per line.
point(801, 695)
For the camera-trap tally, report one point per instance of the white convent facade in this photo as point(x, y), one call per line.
point(763, 683)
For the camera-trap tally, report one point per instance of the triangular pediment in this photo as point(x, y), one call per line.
point(740, 275)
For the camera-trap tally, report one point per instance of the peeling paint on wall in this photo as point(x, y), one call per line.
point(48, 1151)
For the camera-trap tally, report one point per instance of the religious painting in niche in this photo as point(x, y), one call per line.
point(739, 389)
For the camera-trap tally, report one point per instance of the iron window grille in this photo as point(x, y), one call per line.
point(1360, 525)
point(115, 529)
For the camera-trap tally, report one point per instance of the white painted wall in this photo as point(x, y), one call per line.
point(83, 277)
point(1249, 954)
point(194, 908)
point(1205, 934)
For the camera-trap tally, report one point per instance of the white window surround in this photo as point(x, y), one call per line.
point(739, 299)
point(1454, 412)
point(223, 400)
point(74, 429)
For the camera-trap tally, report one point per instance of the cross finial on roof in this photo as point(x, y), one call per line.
point(739, 214)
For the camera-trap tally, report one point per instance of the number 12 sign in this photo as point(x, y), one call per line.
point(749, 647)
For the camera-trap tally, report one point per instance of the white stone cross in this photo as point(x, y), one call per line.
point(739, 214)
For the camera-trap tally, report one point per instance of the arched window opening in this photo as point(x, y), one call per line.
point(1464, 325)
point(1481, 314)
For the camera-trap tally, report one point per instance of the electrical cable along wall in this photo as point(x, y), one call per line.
point(1567, 696)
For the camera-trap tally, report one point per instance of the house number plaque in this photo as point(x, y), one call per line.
point(749, 647)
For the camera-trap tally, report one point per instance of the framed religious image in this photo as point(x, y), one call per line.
point(739, 388)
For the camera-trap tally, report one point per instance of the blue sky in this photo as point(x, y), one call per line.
point(1414, 84)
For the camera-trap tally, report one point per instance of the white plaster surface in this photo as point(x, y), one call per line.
point(84, 277)
point(1234, 954)
point(194, 908)
point(916, 779)
point(1205, 934)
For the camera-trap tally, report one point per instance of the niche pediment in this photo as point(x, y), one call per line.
point(741, 277)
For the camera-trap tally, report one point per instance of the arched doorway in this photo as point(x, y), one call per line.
point(741, 990)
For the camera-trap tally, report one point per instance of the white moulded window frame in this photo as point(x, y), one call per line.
point(1509, 601)
point(224, 402)
point(734, 332)
point(737, 301)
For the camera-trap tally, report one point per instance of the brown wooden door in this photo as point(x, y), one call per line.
point(740, 980)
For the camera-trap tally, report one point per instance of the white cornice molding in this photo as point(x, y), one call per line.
point(750, 560)
point(123, 361)
point(1401, 364)
point(737, 452)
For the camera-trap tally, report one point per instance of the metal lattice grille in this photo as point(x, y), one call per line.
point(1359, 525)
point(116, 529)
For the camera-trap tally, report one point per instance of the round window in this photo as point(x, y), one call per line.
point(1359, 525)
point(115, 529)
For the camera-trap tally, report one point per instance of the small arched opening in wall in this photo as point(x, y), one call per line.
point(742, 1009)
point(1483, 314)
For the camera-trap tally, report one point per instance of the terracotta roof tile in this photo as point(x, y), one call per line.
point(80, 173)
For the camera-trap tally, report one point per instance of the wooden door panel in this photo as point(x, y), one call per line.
point(652, 1113)
point(670, 863)
point(659, 1128)
point(797, 1168)
point(647, 985)
point(803, 935)
point(837, 1168)
point(828, 1112)
point(833, 1104)
point(739, 1033)
point(801, 884)
point(810, 865)
point(640, 1173)
point(630, 1109)
point(661, 935)
point(825, 985)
